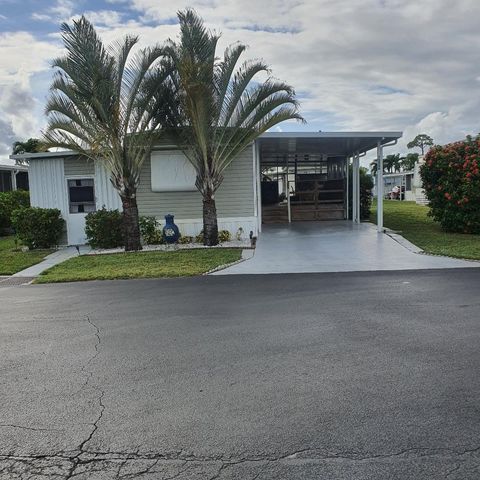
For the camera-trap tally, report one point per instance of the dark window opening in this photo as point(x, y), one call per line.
point(81, 195)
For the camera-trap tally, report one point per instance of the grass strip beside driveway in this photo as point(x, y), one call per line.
point(412, 222)
point(179, 263)
point(13, 261)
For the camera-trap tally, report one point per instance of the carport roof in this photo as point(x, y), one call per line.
point(330, 143)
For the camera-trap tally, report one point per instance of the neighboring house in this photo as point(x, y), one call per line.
point(410, 182)
point(403, 180)
point(13, 177)
point(311, 167)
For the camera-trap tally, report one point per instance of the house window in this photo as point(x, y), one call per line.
point(81, 195)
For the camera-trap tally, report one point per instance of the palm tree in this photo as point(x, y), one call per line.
point(106, 104)
point(391, 163)
point(32, 145)
point(409, 161)
point(219, 109)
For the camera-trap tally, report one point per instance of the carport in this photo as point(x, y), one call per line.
point(308, 173)
point(340, 243)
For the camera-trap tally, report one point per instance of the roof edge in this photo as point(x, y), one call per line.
point(365, 134)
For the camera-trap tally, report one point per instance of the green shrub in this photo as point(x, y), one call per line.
point(451, 179)
point(224, 236)
point(366, 186)
point(199, 237)
point(185, 239)
point(151, 234)
point(104, 228)
point(38, 227)
point(10, 201)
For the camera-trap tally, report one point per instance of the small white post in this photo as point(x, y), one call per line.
point(288, 202)
point(380, 187)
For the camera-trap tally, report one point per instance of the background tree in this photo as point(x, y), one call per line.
point(421, 141)
point(221, 109)
point(106, 104)
point(32, 145)
point(408, 162)
point(392, 163)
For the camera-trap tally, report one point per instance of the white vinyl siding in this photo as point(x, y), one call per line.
point(78, 166)
point(234, 198)
point(105, 194)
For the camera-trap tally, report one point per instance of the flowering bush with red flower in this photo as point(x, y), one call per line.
point(451, 179)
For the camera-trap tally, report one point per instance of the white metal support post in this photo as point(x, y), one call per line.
point(358, 187)
point(354, 189)
point(380, 187)
point(347, 170)
point(258, 181)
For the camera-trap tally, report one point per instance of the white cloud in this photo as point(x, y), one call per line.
point(61, 10)
point(356, 64)
point(22, 56)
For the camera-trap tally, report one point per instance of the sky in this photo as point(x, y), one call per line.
point(395, 65)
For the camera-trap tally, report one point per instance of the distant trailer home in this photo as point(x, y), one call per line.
point(13, 177)
point(281, 177)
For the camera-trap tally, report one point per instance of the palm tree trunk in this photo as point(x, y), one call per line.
point(210, 225)
point(131, 228)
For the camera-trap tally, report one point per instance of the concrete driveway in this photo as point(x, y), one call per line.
point(338, 246)
point(324, 376)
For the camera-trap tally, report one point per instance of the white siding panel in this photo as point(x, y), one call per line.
point(78, 166)
point(105, 195)
point(47, 184)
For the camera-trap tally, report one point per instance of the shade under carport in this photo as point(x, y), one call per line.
point(350, 145)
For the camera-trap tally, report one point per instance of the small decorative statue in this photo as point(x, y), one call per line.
point(171, 233)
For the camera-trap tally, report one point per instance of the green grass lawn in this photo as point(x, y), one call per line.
point(412, 222)
point(12, 261)
point(180, 263)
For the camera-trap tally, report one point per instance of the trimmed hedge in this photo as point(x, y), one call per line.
point(9, 202)
point(38, 227)
point(104, 229)
point(451, 179)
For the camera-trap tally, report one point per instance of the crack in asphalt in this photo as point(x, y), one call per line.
point(83, 458)
point(74, 457)
point(68, 462)
point(76, 460)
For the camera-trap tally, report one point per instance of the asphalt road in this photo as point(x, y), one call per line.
point(313, 376)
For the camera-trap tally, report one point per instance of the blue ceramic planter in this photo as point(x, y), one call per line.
point(171, 234)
